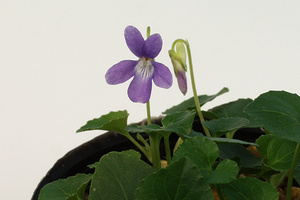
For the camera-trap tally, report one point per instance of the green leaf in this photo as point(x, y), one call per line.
point(235, 109)
point(92, 166)
point(225, 172)
point(263, 143)
point(249, 189)
point(180, 180)
point(113, 121)
point(230, 141)
point(216, 139)
point(117, 176)
point(209, 115)
point(203, 153)
point(190, 103)
point(80, 193)
point(277, 152)
point(179, 122)
point(133, 153)
point(219, 127)
point(134, 128)
point(153, 130)
point(66, 188)
point(73, 197)
point(230, 151)
point(278, 112)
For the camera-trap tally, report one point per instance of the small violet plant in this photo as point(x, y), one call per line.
point(206, 160)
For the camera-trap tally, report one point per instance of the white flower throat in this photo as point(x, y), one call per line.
point(144, 67)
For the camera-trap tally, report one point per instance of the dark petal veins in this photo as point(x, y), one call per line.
point(120, 72)
point(140, 89)
point(152, 46)
point(134, 40)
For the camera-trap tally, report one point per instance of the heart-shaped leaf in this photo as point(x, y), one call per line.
point(179, 122)
point(219, 127)
point(190, 103)
point(249, 188)
point(235, 109)
point(117, 176)
point(203, 153)
point(225, 172)
point(180, 180)
point(66, 188)
point(277, 152)
point(278, 112)
point(113, 121)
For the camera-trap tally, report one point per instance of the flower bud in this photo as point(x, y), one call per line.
point(179, 65)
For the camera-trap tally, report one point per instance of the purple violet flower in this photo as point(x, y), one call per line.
point(144, 70)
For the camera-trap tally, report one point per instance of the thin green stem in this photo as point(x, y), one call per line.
point(148, 31)
point(155, 153)
point(291, 174)
point(141, 139)
point(148, 103)
point(219, 191)
point(179, 142)
point(198, 107)
point(154, 145)
point(139, 146)
point(264, 169)
point(230, 134)
point(277, 179)
point(167, 148)
point(148, 113)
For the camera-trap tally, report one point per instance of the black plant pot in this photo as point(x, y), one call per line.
point(76, 160)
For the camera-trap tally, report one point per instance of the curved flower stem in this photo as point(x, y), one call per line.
point(291, 174)
point(198, 107)
point(154, 144)
point(148, 103)
point(148, 113)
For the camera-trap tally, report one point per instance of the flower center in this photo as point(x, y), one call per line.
point(144, 68)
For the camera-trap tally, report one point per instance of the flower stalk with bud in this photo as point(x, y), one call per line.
point(178, 61)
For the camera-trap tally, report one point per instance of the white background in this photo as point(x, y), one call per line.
point(54, 55)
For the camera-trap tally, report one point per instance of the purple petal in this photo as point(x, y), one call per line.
point(152, 46)
point(134, 40)
point(162, 76)
point(140, 88)
point(120, 72)
point(181, 79)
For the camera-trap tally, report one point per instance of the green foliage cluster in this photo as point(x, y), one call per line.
point(199, 164)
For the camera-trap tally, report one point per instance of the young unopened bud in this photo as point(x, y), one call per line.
point(178, 59)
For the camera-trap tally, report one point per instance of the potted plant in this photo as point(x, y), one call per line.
point(209, 157)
